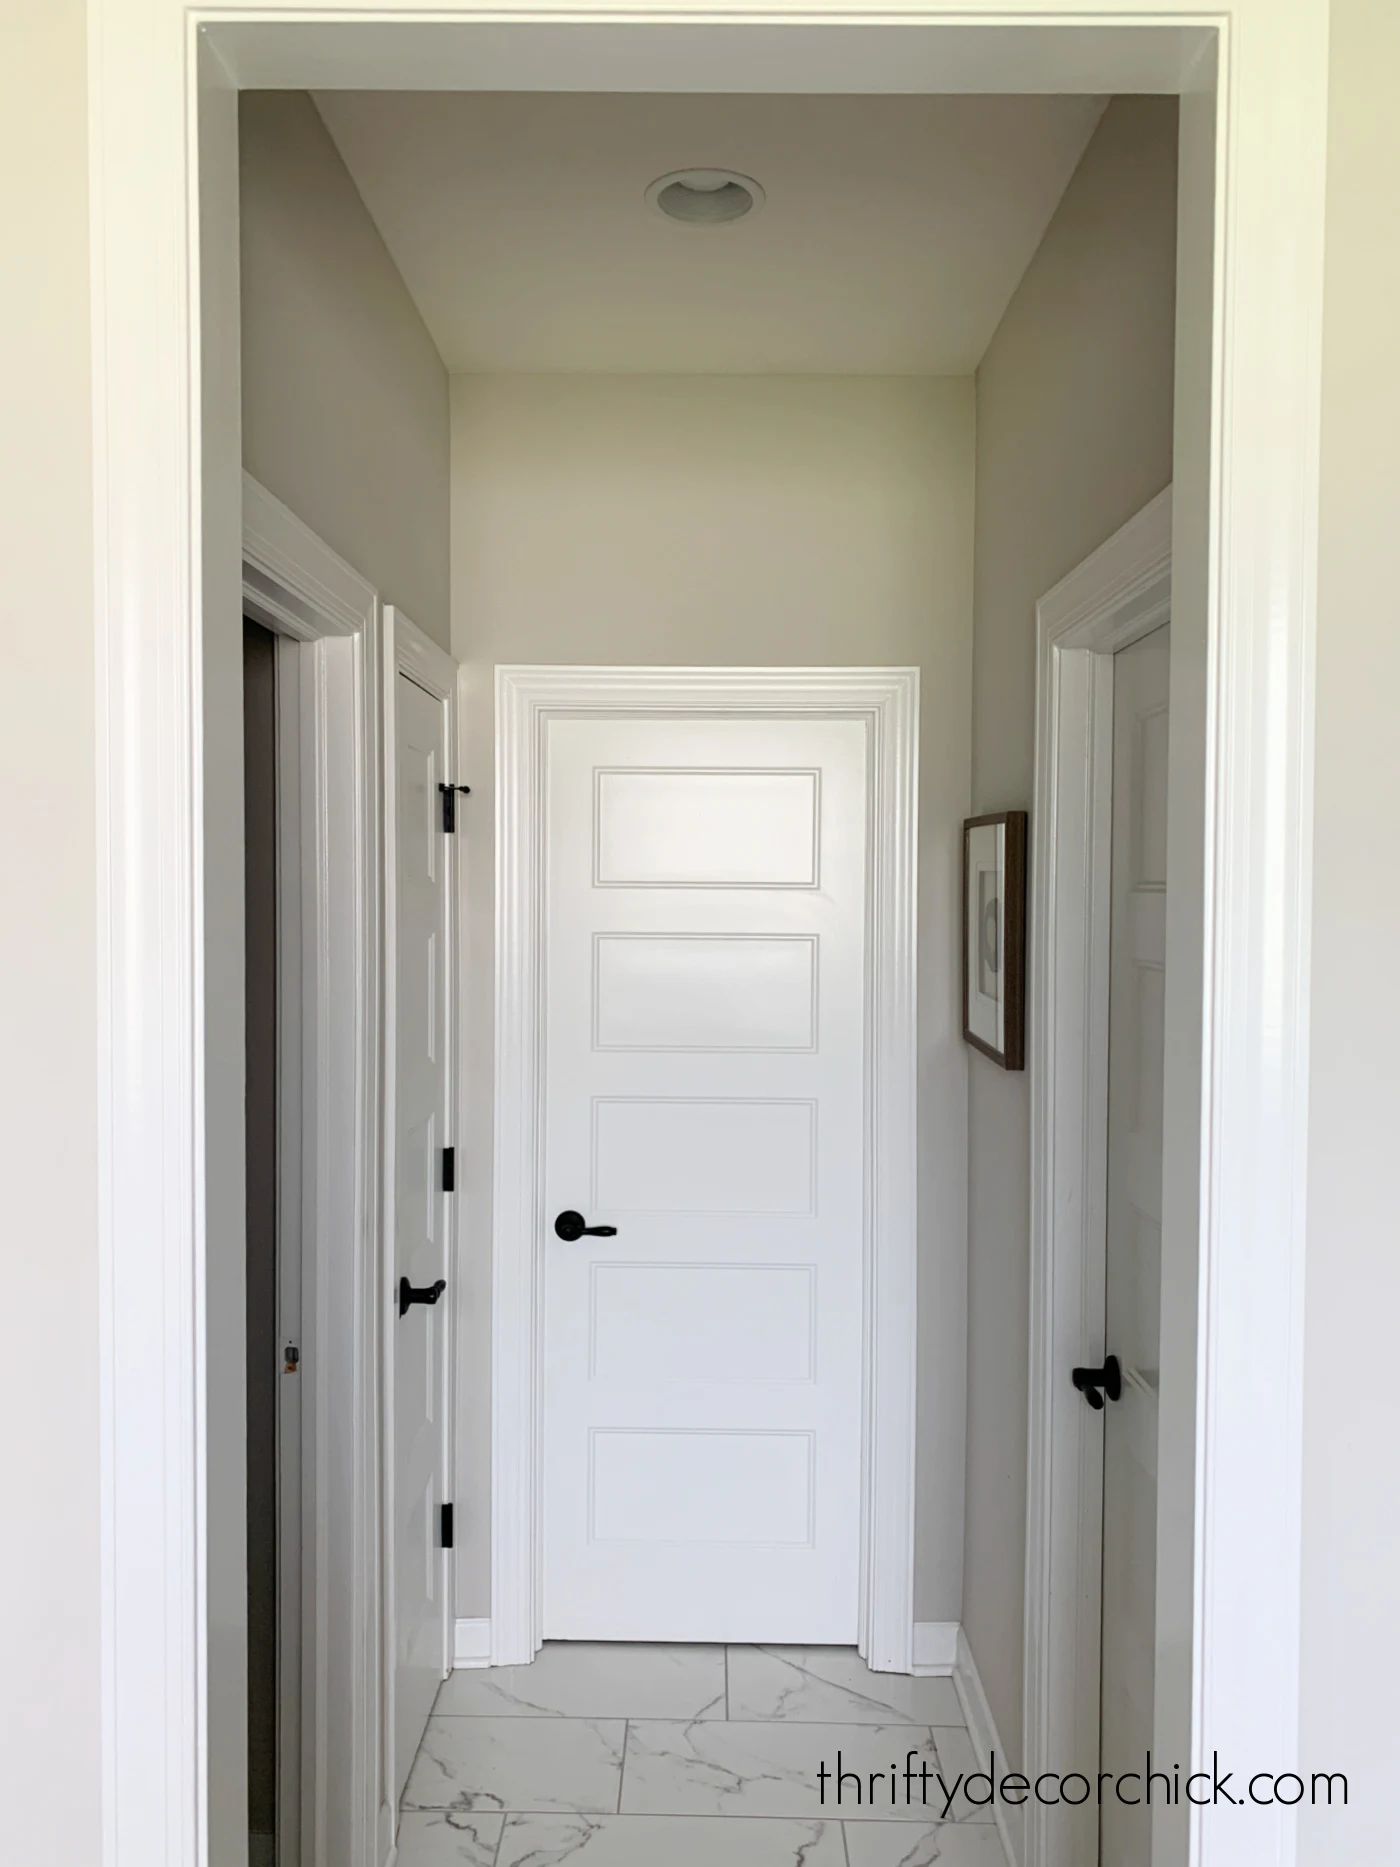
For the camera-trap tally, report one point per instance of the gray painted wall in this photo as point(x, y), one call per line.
point(1074, 435)
point(345, 406)
point(728, 520)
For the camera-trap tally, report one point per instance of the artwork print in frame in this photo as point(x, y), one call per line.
point(994, 936)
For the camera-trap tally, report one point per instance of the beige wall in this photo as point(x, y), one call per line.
point(729, 520)
point(1351, 1497)
point(1074, 435)
point(344, 395)
point(49, 1705)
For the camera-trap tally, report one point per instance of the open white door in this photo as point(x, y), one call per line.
point(422, 730)
point(1137, 980)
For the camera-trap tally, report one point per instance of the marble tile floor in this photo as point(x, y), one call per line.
point(675, 1756)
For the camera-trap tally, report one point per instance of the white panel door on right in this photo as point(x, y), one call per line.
point(1137, 978)
point(705, 1090)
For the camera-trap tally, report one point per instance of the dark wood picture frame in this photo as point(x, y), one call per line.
point(1012, 1055)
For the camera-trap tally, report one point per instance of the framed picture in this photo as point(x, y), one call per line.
point(994, 936)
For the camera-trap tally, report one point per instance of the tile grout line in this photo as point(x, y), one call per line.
point(726, 1683)
point(845, 1844)
point(581, 1717)
point(622, 1767)
point(801, 1820)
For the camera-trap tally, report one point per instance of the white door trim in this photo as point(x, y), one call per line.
point(163, 76)
point(407, 650)
point(887, 699)
point(1113, 599)
point(329, 618)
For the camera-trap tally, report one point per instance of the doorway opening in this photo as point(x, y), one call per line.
point(273, 1259)
point(1248, 608)
point(700, 1337)
point(709, 938)
point(313, 906)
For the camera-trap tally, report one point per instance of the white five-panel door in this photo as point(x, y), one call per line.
point(705, 1090)
point(418, 1317)
point(1136, 999)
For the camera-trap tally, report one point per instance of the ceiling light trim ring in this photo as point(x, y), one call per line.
point(705, 197)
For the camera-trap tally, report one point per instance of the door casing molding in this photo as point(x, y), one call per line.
point(328, 623)
point(887, 700)
point(163, 77)
point(1112, 600)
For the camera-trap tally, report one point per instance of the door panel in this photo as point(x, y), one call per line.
point(704, 1014)
point(1136, 1001)
point(420, 1212)
point(705, 992)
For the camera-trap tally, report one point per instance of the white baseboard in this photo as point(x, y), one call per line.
point(935, 1648)
point(977, 1715)
point(471, 1644)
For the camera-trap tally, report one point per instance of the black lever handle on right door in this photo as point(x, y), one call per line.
point(570, 1225)
point(1094, 1383)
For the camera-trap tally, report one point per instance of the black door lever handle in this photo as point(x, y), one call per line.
point(424, 1293)
point(1094, 1383)
point(570, 1225)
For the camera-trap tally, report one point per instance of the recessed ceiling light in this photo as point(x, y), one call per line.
point(704, 197)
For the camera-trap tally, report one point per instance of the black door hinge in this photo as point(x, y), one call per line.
point(447, 1526)
point(449, 1170)
point(449, 805)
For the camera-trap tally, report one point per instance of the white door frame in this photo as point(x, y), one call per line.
point(1112, 600)
point(887, 700)
point(406, 650)
point(327, 620)
point(163, 141)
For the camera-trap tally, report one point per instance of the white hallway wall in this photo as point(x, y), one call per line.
point(50, 1734)
point(727, 520)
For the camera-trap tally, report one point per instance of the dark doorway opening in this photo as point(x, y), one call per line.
point(263, 1363)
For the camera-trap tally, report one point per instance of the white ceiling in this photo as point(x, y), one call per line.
point(894, 233)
